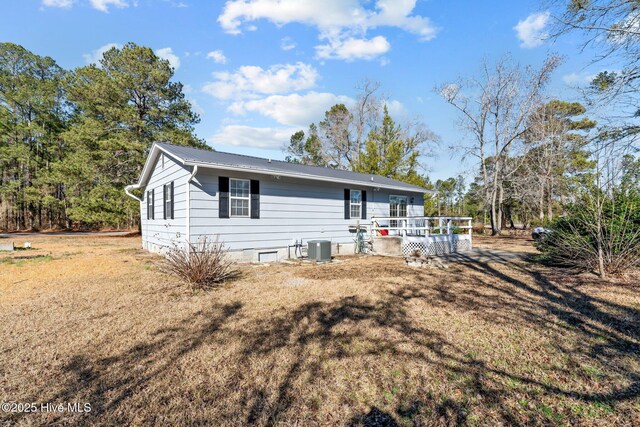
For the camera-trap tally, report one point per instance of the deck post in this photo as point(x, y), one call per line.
point(373, 218)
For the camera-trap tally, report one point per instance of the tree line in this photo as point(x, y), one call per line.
point(365, 138)
point(531, 150)
point(70, 140)
point(540, 160)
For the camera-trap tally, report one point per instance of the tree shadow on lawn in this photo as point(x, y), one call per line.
point(107, 383)
point(299, 348)
point(607, 336)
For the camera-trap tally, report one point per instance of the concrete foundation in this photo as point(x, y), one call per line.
point(387, 245)
point(263, 255)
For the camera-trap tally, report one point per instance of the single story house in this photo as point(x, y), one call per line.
point(260, 209)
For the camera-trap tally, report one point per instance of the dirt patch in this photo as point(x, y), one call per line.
point(362, 269)
point(519, 243)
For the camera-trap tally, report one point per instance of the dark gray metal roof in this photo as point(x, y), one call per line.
point(219, 158)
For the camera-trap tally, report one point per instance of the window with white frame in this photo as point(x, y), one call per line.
point(150, 204)
point(168, 200)
point(397, 209)
point(356, 203)
point(239, 197)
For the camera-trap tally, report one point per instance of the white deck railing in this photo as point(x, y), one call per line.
point(419, 225)
point(428, 235)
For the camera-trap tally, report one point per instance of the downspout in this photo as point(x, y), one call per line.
point(127, 190)
point(188, 219)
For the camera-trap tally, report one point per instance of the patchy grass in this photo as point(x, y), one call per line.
point(19, 260)
point(359, 342)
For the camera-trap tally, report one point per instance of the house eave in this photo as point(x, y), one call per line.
point(156, 150)
point(310, 177)
point(147, 169)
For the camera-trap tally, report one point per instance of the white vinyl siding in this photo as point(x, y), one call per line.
point(161, 233)
point(290, 209)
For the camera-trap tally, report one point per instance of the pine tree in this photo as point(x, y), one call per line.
point(32, 117)
point(389, 152)
point(122, 107)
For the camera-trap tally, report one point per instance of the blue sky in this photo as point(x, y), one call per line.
point(257, 70)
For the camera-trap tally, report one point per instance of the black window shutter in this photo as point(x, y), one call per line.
point(164, 201)
point(363, 207)
point(347, 203)
point(172, 201)
point(223, 197)
point(255, 198)
point(153, 204)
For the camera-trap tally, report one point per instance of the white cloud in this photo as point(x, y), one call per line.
point(178, 4)
point(572, 78)
point(531, 31)
point(328, 15)
point(397, 13)
point(251, 81)
point(217, 56)
point(343, 23)
point(96, 55)
point(103, 5)
point(301, 110)
point(291, 110)
point(350, 48)
point(167, 53)
point(627, 29)
point(58, 3)
point(395, 108)
point(325, 14)
point(579, 79)
point(287, 43)
point(247, 136)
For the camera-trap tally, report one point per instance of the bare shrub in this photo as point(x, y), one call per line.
point(203, 264)
point(478, 228)
point(599, 237)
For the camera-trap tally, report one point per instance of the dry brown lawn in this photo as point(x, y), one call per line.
point(364, 341)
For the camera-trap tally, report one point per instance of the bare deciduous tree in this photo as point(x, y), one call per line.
point(494, 109)
point(612, 27)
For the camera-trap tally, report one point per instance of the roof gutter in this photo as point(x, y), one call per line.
point(193, 173)
point(304, 176)
point(127, 191)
